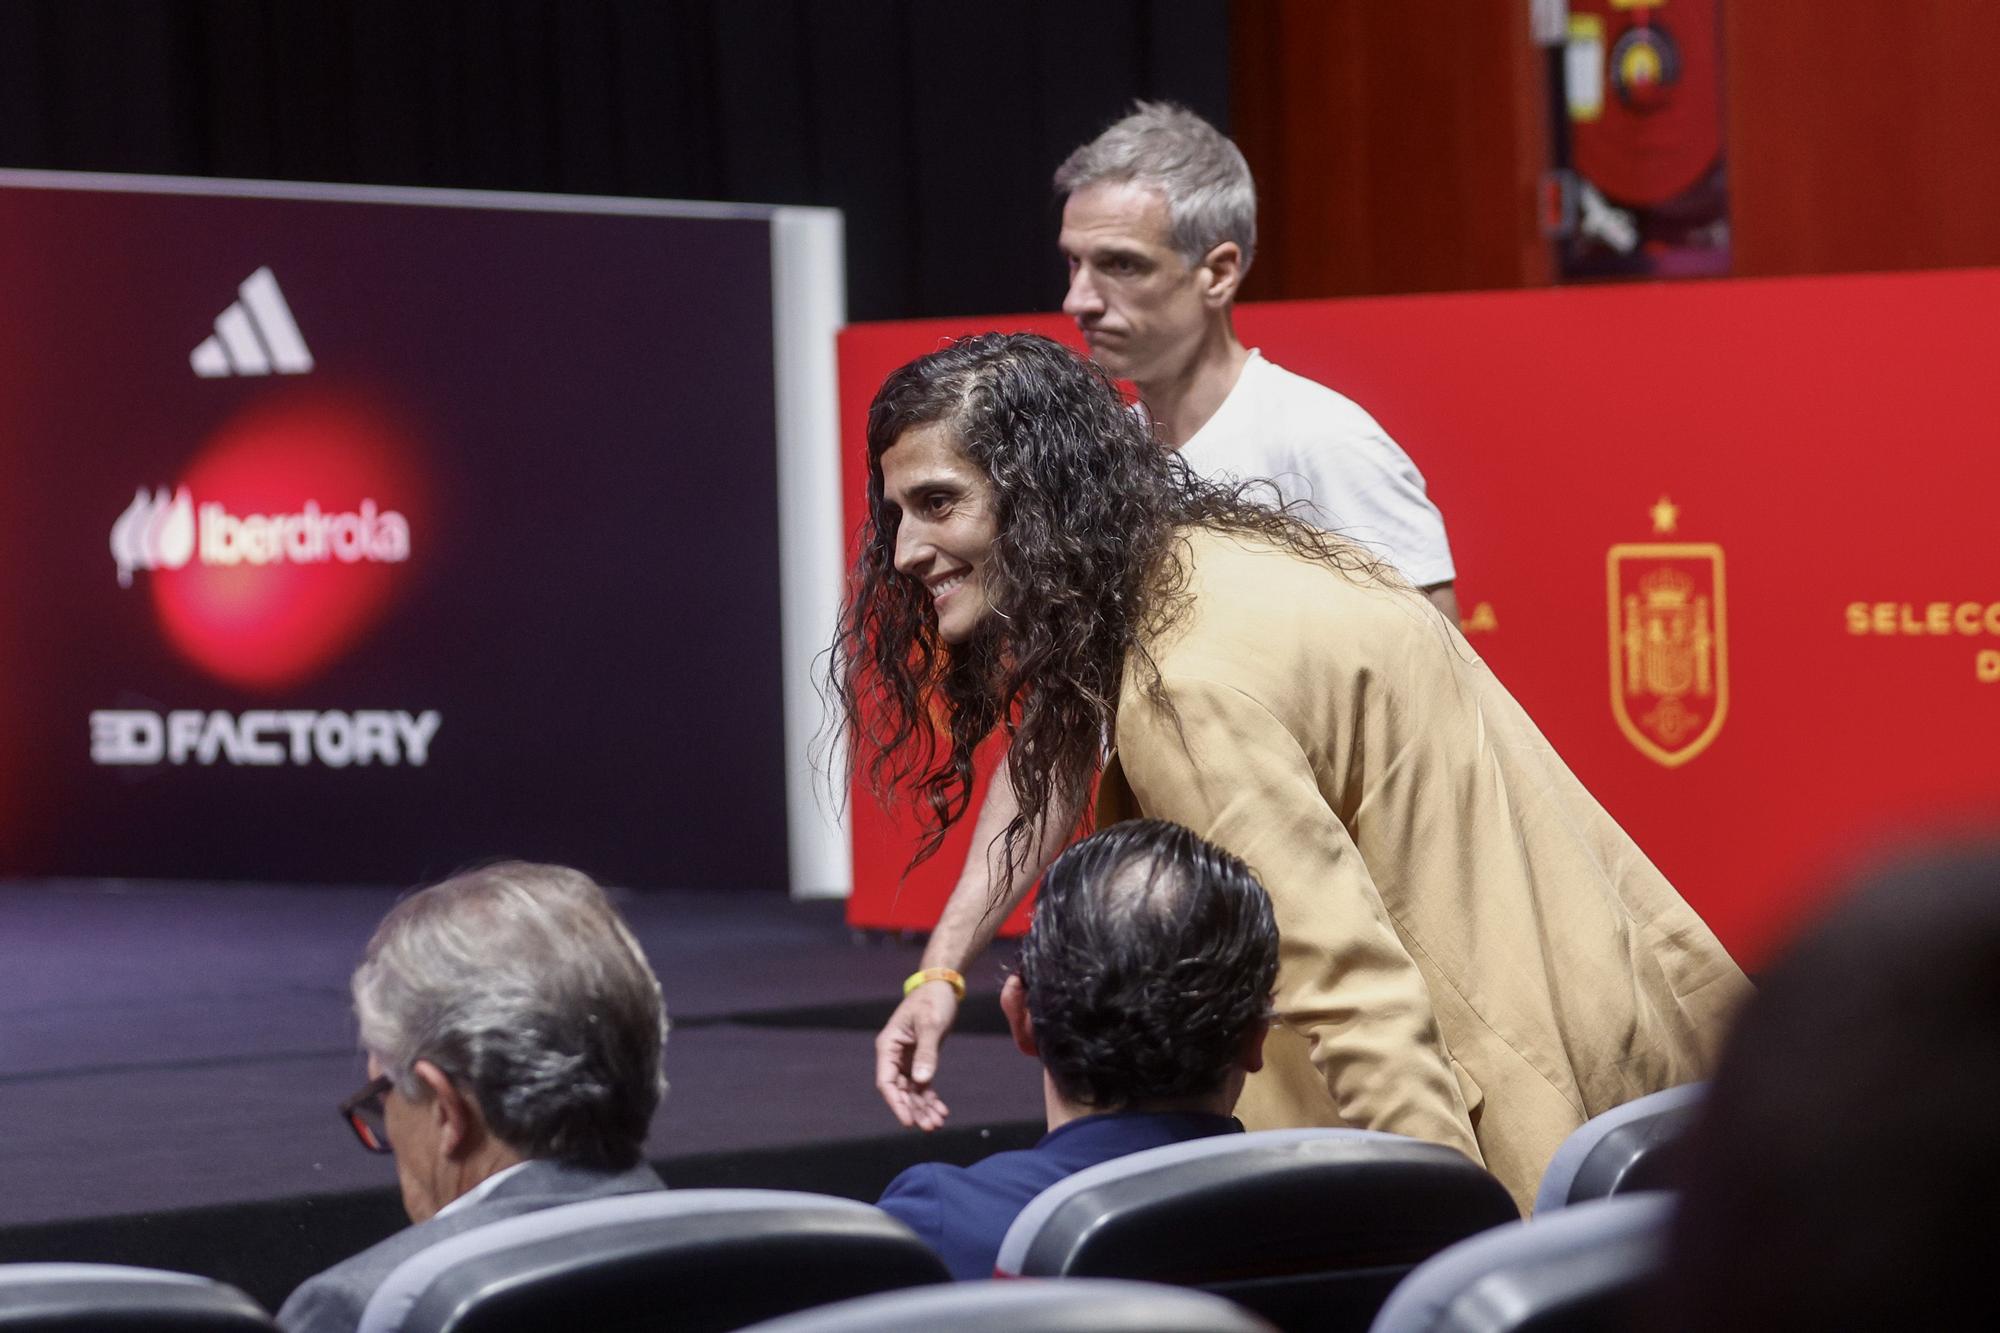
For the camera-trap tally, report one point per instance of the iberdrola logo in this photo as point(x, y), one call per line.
point(276, 546)
point(153, 533)
point(163, 532)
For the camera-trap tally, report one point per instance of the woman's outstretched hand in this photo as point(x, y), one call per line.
point(906, 1055)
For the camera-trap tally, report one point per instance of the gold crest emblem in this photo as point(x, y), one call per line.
point(1669, 644)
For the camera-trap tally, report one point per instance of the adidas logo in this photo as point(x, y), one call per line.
point(255, 336)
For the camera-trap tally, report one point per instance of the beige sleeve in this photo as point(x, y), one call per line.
point(1237, 776)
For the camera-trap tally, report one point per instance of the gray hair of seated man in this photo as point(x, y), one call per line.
point(1202, 175)
point(522, 984)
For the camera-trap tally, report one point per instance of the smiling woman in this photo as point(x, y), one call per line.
point(1012, 464)
point(942, 506)
point(1474, 952)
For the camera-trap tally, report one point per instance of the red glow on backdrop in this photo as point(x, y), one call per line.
point(14, 756)
point(308, 505)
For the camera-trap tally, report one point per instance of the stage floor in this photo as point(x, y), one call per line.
point(170, 1046)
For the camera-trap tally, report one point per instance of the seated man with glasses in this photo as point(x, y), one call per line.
point(513, 1030)
point(1144, 989)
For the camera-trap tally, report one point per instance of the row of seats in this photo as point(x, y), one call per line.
point(1297, 1228)
point(166, 1302)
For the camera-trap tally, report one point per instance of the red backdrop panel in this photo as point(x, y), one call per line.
point(1826, 436)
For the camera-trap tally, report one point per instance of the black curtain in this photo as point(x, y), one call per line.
point(934, 124)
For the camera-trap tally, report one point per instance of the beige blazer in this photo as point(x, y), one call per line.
point(1472, 951)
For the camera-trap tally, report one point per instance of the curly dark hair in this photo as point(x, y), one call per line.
point(1151, 956)
point(1081, 575)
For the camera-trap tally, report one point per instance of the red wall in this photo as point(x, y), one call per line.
point(1861, 134)
point(1832, 436)
point(1396, 147)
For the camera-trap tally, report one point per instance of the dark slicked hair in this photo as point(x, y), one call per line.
point(1081, 574)
point(1842, 1174)
point(1151, 957)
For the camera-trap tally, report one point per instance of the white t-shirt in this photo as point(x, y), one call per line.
point(1310, 444)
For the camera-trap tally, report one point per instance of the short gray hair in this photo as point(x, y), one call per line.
point(1210, 196)
point(523, 985)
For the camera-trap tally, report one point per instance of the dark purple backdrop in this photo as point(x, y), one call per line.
point(591, 599)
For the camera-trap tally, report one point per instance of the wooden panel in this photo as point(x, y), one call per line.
point(1862, 134)
point(1396, 146)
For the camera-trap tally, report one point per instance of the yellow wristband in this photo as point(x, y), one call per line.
point(944, 974)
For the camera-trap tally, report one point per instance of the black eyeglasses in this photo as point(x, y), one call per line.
point(363, 1114)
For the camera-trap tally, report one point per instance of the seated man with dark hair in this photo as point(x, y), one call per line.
point(1144, 988)
point(513, 1031)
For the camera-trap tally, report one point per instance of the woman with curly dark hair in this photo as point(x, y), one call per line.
point(1474, 952)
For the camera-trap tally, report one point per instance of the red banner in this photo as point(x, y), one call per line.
point(1730, 543)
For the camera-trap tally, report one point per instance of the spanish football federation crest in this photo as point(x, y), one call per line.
point(1669, 643)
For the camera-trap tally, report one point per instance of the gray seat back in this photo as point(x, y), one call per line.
point(1073, 1305)
point(82, 1298)
point(1630, 1147)
point(1309, 1227)
point(1584, 1269)
point(664, 1260)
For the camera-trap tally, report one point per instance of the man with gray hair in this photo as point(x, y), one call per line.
point(1159, 227)
point(513, 1031)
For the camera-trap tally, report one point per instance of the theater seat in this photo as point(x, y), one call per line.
point(1073, 1305)
point(84, 1298)
point(1628, 1148)
point(1583, 1269)
point(668, 1260)
point(1309, 1227)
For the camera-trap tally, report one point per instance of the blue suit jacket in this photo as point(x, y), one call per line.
point(963, 1212)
